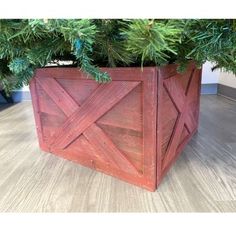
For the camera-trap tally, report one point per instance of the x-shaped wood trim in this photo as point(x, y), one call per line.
point(181, 100)
point(81, 118)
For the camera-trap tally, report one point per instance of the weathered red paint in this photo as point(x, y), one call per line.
point(132, 128)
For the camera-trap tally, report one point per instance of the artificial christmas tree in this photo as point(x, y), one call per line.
point(90, 44)
point(135, 125)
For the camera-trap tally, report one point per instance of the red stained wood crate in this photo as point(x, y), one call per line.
point(132, 128)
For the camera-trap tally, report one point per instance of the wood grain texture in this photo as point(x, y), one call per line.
point(103, 99)
point(183, 92)
point(117, 120)
point(97, 138)
point(36, 108)
point(202, 180)
point(119, 74)
point(105, 146)
point(124, 122)
point(150, 127)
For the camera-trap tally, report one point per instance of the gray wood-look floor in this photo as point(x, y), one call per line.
point(202, 180)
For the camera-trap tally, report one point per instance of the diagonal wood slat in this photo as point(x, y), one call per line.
point(104, 146)
point(190, 121)
point(101, 100)
point(175, 92)
point(93, 133)
point(59, 96)
point(181, 101)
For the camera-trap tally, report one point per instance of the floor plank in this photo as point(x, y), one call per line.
point(202, 180)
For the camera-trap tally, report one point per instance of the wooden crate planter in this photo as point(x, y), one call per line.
point(132, 128)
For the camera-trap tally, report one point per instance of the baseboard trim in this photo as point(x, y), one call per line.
point(227, 91)
point(209, 88)
point(18, 96)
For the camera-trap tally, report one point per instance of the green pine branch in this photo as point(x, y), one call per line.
point(28, 44)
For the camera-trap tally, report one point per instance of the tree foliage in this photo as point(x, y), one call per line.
point(29, 44)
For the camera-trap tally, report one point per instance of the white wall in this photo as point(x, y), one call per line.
point(227, 79)
point(25, 88)
point(209, 76)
